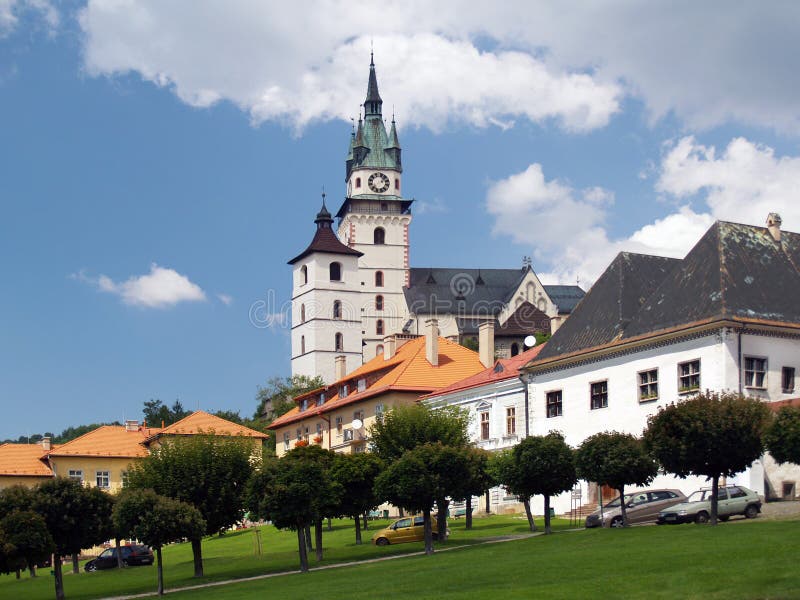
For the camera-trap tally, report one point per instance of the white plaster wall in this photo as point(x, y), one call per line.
point(779, 352)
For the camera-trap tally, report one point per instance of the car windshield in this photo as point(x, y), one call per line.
point(699, 496)
point(615, 502)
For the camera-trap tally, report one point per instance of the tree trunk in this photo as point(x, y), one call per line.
point(301, 546)
point(160, 572)
point(427, 529)
point(32, 570)
point(547, 529)
point(197, 553)
point(358, 530)
point(488, 502)
point(441, 518)
point(309, 542)
point(318, 538)
point(531, 523)
point(76, 568)
point(119, 553)
point(366, 521)
point(18, 573)
point(622, 508)
point(400, 513)
point(59, 577)
point(330, 524)
point(714, 499)
point(468, 514)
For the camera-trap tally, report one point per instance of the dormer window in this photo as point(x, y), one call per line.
point(344, 391)
point(304, 404)
point(321, 400)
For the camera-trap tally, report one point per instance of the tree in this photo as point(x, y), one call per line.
point(712, 435)
point(505, 471)
point(544, 465)
point(293, 492)
point(207, 471)
point(16, 497)
point(76, 517)
point(615, 459)
point(277, 397)
point(479, 480)
point(421, 477)
point(156, 521)
point(156, 412)
point(356, 474)
point(27, 532)
point(782, 437)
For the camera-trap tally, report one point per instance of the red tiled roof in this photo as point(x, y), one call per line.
point(200, 422)
point(779, 404)
point(107, 440)
point(23, 460)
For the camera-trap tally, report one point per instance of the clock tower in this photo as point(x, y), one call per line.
point(374, 220)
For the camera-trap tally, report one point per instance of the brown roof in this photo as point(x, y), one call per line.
point(201, 422)
point(325, 239)
point(23, 460)
point(107, 440)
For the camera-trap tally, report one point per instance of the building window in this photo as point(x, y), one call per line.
point(319, 429)
point(787, 380)
point(361, 385)
point(348, 435)
point(124, 478)
point(379, 327)
point(304, 274)
point(336, 271)
point(599, 394)
point(379, 412)
point(755, 371)
point(396, 183)
point(302, 313)
point(378, 278)
point(379, 236)
point(75, 474)
point(554, 404)
point(339, 342)
point(378, 302)
point(299, 433)
point(514, 349)
point(305, 433)
point(321, 400)
point(648, 385)
point(511, 420)
point(358, 414)
point(337, 309)
point(101, 478)
point(485, 425)
point(339, 424)
point(358, 182)
point(286, 441)
point(689, 376)
point(302, 344)
point(344, 391)
point(304, 404)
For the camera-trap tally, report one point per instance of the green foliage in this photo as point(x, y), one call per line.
point(68, 434)
point(156, 412)
point(156, 520)
point(16, 497)
point(782, 438)
point(541, 337)
point(277, 396)
point(27, 532)
point(470, 342)
point(615, 459)
point(356, 474)
point(406, 427)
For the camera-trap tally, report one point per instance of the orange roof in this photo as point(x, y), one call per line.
point(200, 422)
point(107, 440)
point(408, 370)
point(505, 368)
point(23, 460)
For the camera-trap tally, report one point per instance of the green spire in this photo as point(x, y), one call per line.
point(373, 103)
point(393, 141)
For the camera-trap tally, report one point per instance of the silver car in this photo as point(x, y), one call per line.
point(641, 507)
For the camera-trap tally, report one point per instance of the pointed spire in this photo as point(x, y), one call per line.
point(324, 218)
point(373, 103)
point(393, 141)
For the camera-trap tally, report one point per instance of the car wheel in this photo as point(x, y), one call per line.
point(90, 567)
point(125, 562)
point(725, 518)
point(751, 512)
point(702, 517)
point(381, 542)
point(617, 522)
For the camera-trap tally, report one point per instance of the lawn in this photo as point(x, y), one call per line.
point(744, 559)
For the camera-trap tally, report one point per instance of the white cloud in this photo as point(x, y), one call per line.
point(225, 299)
point(708, 63)
point(160, 288)
point(10, 11)
point(8, 20)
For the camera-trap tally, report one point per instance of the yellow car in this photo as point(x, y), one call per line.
point(407, 529)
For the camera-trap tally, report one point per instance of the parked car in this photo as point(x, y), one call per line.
point(407, 529)
point(641, 507)
point(733, 500)
point(132, 555)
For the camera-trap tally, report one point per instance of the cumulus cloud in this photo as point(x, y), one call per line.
point(160, 288)
point(225, 299)
point(11, 10)
point(463, 61)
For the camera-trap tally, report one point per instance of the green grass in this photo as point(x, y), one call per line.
point(746, 559)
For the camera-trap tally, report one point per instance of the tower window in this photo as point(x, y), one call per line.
point(379, 350)
point(378, 278)
point(379, 327)
point(379, 236)
point(302, 344)
point(336, 271)
point(358, 182)
point(514, 349)
point(302, 313)
point(339, 342)
point(378, 302)
point(396, 183)
point(304, 274)
point(337, 309)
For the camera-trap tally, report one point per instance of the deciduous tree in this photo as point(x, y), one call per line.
point(782, 438)
point(27, 532)
point(356, 474)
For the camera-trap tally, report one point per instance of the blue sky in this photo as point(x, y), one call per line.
point(160, 162)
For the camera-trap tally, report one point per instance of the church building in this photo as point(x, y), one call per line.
point(354, 287)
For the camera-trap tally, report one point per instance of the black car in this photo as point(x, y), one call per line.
point(131, 555)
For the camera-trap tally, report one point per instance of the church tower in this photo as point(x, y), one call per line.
point(374, 220)
point(326, 305)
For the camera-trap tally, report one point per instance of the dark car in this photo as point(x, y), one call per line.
point(132, 555)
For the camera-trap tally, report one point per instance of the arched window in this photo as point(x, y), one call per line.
point(378, 278)
point(302, 344)
point(379, 350)
point(379, 236)
point(378, 302)
point(379, 327)
point(339, 340)
point(336, 271)
point(358, 182)
point(337, 309)
point(302, 313)
point(514, 349)
point(304, 274)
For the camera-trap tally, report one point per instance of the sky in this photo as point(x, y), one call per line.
point(161, 161)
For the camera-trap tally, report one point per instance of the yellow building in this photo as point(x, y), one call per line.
point(22, 464)
point(339, 416)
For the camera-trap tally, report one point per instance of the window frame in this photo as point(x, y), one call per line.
point(753, 372)
point(648, 395)
point(603, 395)
point(379, 236)
point(690, 389)
point(485, 425)
point(75, 475)
point(337, 309)
point(784, 372)
point(511, 421)
point(558, 405)
point(338, 342)
point(335, 267)
point(304, 274)
point(379, 327)
point(379, 302)
point(379, 279)
point(102, 476)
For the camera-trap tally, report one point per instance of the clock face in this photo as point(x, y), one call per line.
point(378, 182)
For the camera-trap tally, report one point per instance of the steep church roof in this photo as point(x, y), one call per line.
point(325, 239)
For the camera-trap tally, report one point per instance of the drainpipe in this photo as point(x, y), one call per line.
point(522, 378)
point(328, 421)
point(739, 357)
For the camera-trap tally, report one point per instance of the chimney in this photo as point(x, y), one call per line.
point(432, 341)
point(774, 226)
point(486, 342)
point(131, 425)
point(45, 443)
point(389, 347)
point(341, 366)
